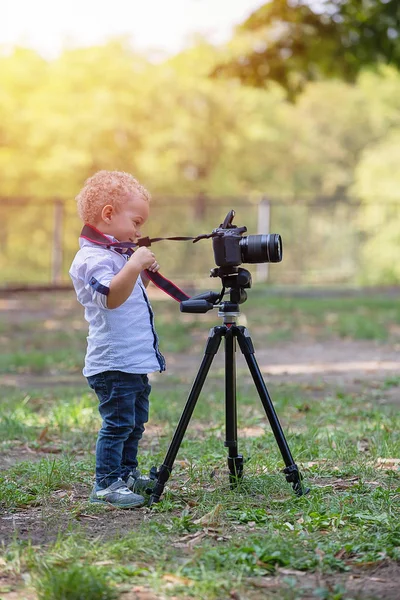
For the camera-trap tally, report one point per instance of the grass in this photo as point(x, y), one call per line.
point(206, 540)
point(81, 581)
point(365, 318)
point(58, 418)
point(350, 517)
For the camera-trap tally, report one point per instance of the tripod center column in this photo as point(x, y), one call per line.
point(230, 388)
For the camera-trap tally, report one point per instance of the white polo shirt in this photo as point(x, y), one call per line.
point(120, 339)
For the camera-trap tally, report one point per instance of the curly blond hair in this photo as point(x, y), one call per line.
point(106, 187)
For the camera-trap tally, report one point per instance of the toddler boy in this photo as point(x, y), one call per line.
point(122, 345)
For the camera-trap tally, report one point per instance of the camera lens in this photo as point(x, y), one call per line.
point(261, 248)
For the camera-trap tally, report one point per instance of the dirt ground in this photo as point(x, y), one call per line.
point(342, 363)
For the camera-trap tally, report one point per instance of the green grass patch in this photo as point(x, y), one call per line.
point(255, 534)
point(63, 418)
point(76, 582)
point(33, 483)
point(36, 361)
point(363, 317)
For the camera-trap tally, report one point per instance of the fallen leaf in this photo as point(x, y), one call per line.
point(182, 463)
point(60, 493)
point(314, 463)
point(291, 572)
point(264, 582)
point(211, 518)
point(363, 445)
point(28, 449)
point(339, 483)
point(392, 464)
point(140, 593)
point(320, 553)
point(190, 540)
point(50, 450)
point(43, 434)
point(192, 503)
point(177, 580)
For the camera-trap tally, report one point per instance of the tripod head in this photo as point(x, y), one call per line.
point(234, 279)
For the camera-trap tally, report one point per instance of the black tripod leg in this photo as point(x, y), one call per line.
point(214, 340)
point(235, 460)
point(291, 471)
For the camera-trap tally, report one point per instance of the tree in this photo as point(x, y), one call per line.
point(21, 73)
point(295, 41)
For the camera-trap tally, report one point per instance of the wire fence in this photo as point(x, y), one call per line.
point(323, 241)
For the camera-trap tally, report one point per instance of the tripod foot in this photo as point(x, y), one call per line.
point(294, 477)
point(162, 478)
point(235, 464)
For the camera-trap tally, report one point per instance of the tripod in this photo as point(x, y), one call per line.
point(229, 310)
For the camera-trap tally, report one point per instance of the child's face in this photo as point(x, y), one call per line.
point(126, 222)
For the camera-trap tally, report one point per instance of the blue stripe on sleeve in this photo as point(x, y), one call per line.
point(96, 285)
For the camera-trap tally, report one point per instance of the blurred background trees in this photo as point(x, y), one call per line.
point(185, 133)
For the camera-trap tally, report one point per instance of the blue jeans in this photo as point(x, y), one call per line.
point(124, 408)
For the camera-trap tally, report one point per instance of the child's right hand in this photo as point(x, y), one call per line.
point(143, 258)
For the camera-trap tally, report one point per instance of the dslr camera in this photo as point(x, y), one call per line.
point(232, 248)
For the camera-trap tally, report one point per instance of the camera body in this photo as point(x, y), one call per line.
point(231, 248)
point(226, 246)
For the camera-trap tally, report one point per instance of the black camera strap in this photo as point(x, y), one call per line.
point(92, 234)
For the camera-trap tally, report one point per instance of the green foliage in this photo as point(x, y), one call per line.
point(182, 134)
point(101, 108)
point(292, 42)
point(377, 176)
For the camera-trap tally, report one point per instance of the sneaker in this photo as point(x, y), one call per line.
point(140, 484)
point(117, 494)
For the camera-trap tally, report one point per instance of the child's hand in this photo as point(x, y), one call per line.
point(143, 258)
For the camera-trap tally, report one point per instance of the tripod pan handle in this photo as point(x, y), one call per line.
point(196, 306)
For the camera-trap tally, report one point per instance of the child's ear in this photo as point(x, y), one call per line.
point(107, 213)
